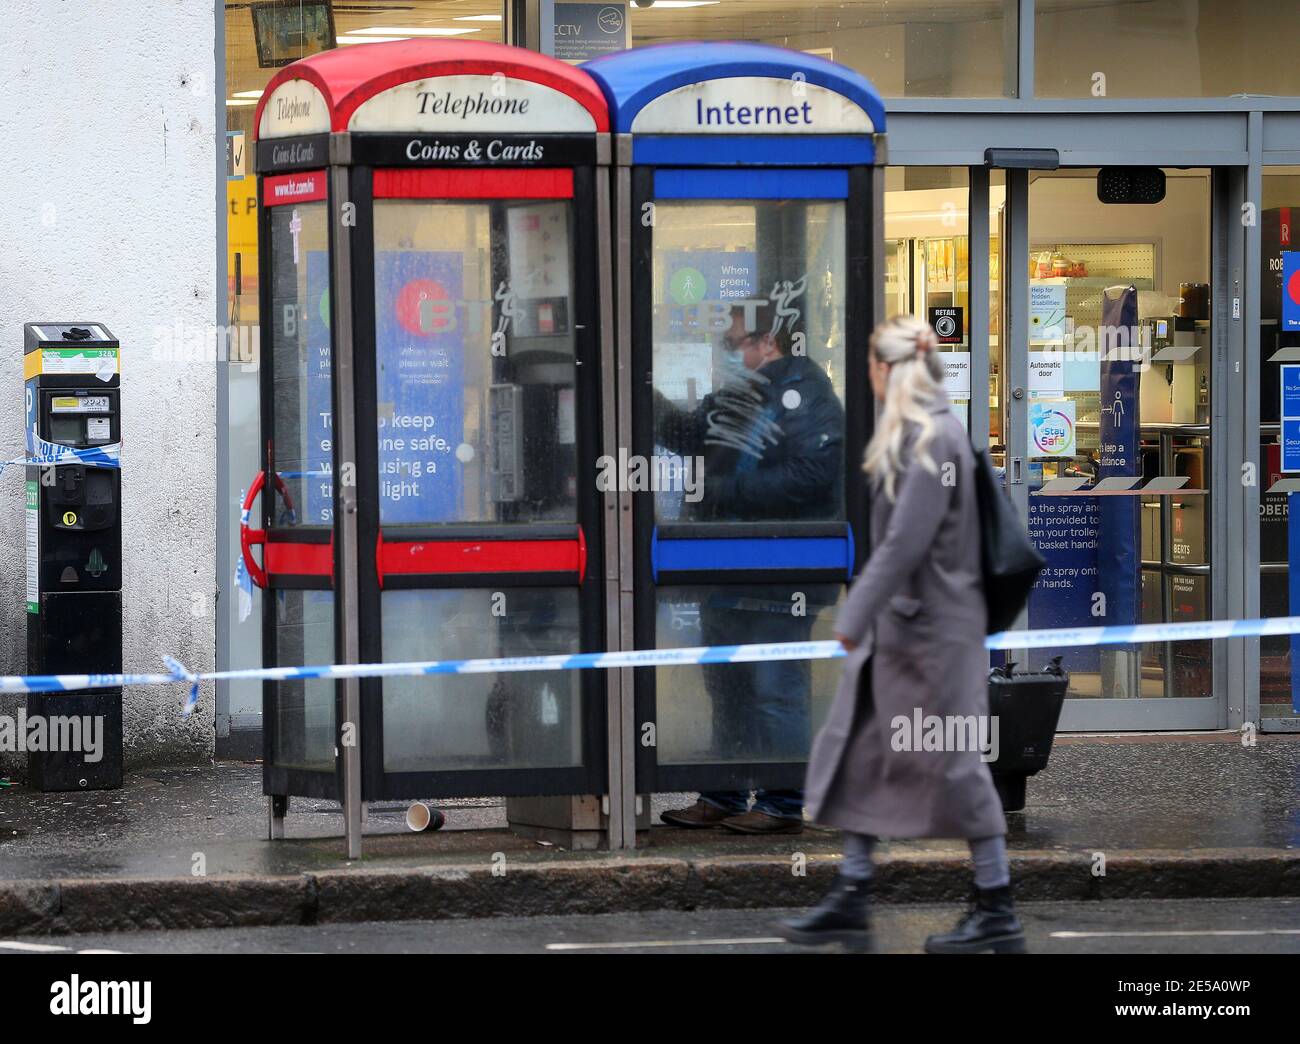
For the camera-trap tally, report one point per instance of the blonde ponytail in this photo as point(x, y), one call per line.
point(915, 384)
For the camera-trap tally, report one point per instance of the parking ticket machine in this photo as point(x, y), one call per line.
point(433, 406)
point(749, 217)
point(74, 549)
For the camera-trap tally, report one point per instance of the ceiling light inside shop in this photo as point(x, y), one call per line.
point(665, 5)
point(247, 94)
point(232, 103)
point(345, 40)
point(477, 18)
point(403, 31)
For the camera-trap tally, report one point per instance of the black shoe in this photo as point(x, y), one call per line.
point(841, 917)
point(990, 925)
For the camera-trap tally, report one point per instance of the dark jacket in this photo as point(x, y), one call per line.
point(772, 442)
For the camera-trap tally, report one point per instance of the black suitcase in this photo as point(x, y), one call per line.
point(1027, 707)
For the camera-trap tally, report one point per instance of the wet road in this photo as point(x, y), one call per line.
point(1227, 926)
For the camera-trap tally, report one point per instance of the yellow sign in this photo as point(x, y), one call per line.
point(241, 235)
point(69, 518)
point(103, 362)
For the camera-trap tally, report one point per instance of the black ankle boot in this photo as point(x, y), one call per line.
point(840, 917)
point(990, 924)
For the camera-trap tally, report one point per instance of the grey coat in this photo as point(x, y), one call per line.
point(917, 615)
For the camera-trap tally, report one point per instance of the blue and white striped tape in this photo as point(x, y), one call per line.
point(825, 650)
point(1192, 631)
point(41, 453)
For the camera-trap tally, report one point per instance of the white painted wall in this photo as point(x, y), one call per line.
point(107, 183)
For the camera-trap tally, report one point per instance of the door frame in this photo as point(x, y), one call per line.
point(589, 775)
point(1227, 345)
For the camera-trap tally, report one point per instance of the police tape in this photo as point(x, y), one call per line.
point(42, 453)
point(46, 454)
point(714, 654)
point(1136, 634)
point(1059, 638)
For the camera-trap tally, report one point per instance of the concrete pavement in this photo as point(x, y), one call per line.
point(1127, 817)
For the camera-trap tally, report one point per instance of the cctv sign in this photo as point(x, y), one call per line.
point(947, 323)
point(586, 31)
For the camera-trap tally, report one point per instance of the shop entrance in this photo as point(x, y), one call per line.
point(1084, 342)
point(1107, 425)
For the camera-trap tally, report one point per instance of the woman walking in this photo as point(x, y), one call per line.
point(913, 625)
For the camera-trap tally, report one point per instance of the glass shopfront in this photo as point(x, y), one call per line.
point(1278, 346)
point(1164, 48)
point(1084, 268)
point(909, 48)
point(928, 273)
point(1025, 268)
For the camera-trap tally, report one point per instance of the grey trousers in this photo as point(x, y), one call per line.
point(989, 854)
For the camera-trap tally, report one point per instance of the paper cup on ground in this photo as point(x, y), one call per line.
point(421, 817)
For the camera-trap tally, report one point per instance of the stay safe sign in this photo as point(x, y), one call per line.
point(1051, 429)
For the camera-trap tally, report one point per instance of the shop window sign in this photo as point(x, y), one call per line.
point(947, 323)
point(1047, 313)
point(1290, 415)
point(1290, 420)
point(1291, 291)
point(1051, 429)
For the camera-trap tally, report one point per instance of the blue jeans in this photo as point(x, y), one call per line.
point(760, 710)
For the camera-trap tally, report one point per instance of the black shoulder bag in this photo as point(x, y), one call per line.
point(1008, 559)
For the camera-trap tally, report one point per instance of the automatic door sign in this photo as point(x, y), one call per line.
point(1051, 429)
point(947, 323)
point(1047, 375)
point(956, 374)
